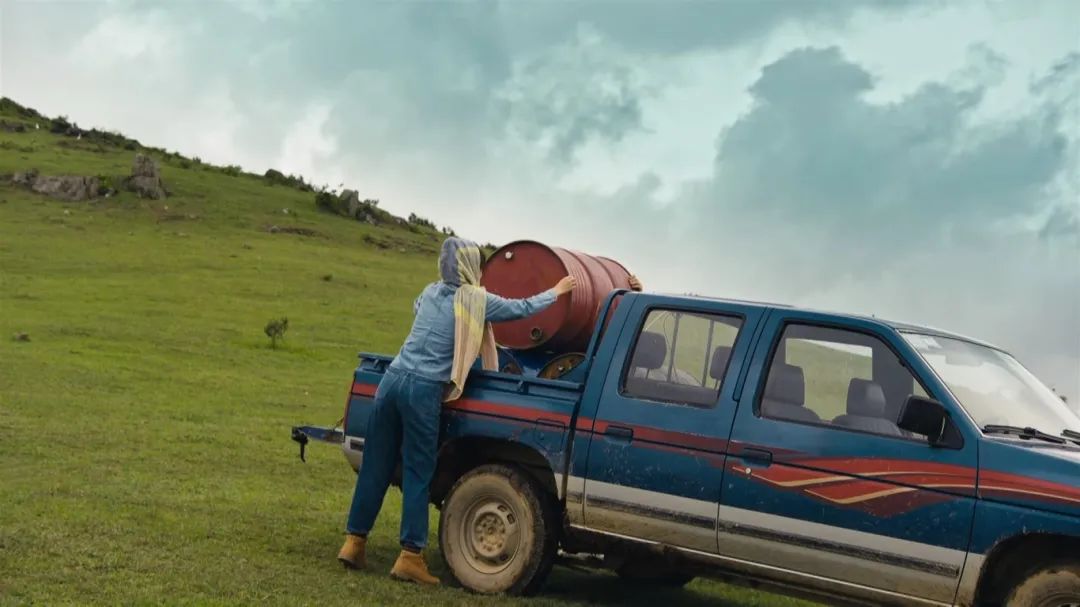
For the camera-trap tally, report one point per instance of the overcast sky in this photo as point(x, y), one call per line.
point(914, 160)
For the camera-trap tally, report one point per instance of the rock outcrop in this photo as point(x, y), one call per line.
point(72, 188)
point(145, 178)
point(351, 199)
point(25, 178)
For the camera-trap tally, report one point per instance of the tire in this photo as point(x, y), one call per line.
point(1054, 586)
point(651, 573)
point(497, 531)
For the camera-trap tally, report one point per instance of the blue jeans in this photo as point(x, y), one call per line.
point(406, 422)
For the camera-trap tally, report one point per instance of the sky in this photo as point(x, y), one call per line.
point(914, 160)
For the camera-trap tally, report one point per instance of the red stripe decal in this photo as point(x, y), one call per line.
point(469, 405)
point(676, 439)
point(993, 482)
point(483, 407)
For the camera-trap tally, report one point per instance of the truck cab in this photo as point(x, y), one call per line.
point(843, 458)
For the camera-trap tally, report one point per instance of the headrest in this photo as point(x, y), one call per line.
point(786, 384)
point(865, 398)
point(718, 366)
point(650, 352)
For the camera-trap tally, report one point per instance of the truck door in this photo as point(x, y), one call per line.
point(662, 420)
point(820, 480)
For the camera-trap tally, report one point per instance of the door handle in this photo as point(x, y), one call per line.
point(757, 456)
point(551, 423)
point(620, 433)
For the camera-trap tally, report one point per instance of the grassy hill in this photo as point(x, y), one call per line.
point(144, 451)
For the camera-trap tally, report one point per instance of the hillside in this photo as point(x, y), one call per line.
point(144, 418)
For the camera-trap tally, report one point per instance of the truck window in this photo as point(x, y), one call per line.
point(680, 357)
point(844, 379)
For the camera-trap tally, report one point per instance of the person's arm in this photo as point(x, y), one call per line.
point(500, 309)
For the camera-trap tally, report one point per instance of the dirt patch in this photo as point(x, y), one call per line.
point(299, 231)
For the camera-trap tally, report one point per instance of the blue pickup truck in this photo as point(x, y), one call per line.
point(845, 459)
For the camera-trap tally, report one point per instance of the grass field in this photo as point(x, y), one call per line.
point(144, 449)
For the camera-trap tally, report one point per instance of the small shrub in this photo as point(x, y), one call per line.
point(275, 330)
point(370, 212)
point(420, 222)
point(60, 125)
point(232, 170)
point(275, 177)
point(326, 201)
point(108, 185)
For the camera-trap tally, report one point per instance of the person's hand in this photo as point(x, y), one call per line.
point(565, 285)
point(635, 284)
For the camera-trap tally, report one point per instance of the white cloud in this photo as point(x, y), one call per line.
point(309, 149)
point(131, 40)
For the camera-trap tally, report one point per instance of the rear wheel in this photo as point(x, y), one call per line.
point(497, 531)
point(1053, 586)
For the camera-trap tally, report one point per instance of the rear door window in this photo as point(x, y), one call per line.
point(680, 357)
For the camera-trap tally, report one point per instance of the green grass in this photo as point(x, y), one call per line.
point(144, 450)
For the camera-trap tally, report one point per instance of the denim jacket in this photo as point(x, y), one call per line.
point(428, 351)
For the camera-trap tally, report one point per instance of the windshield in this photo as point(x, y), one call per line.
point(992, 386)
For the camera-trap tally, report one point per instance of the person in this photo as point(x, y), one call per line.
point(451, 327)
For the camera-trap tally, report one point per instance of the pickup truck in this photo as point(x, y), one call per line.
point(840, 458)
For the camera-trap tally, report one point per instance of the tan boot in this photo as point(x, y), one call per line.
point(410, 567)
point(352, 553)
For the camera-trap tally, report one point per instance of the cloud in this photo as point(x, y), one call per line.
point(580, 90)
point(875, 179)
point(682, 27)
point(813, 140)
point(1062, 222)
point(121, 38)
point(308, 146)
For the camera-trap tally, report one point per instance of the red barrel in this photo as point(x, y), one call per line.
point(525, 268)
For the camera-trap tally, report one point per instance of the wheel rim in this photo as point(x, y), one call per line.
point(490, 534)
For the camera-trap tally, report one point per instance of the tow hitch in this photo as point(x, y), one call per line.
point(302, 434)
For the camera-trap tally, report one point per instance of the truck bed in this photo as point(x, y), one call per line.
point(524, 411)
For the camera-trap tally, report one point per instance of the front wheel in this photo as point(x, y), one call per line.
point(1054, 586)
point(497, 531)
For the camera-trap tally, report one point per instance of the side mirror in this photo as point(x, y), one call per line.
point(927, 417)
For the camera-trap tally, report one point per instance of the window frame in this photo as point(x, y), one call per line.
point(771, 356)
point(640, 328)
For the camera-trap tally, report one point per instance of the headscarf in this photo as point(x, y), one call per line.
point(459, 266)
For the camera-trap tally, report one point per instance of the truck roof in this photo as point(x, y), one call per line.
point(897, 325)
